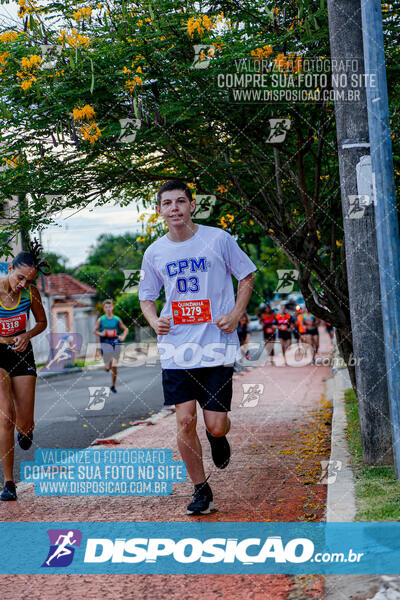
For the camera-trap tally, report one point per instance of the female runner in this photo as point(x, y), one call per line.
point(17, 364)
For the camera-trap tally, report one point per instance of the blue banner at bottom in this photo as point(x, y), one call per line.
point(190, 548)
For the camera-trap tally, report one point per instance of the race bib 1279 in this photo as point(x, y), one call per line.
point(189, 312)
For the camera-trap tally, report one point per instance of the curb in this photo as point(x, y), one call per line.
point(341, 503)
point(41, 375)
point(164, 412)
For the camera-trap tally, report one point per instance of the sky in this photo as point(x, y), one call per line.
point(75, 233)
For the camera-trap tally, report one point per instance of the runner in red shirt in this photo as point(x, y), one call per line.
point(268, 322)
point(284, 322)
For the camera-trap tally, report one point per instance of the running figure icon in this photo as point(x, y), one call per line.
point(62, 550)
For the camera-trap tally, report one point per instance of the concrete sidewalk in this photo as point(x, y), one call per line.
point(274, 475)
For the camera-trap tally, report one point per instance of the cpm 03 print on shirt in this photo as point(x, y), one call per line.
point(182, 269)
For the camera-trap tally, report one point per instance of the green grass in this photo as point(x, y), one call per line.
point(377, 489)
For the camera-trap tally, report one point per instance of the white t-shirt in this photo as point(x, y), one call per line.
point(199, 268)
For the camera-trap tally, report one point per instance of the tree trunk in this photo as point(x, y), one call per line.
point(345, 345)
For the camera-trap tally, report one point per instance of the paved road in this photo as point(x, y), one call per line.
point(61, 415)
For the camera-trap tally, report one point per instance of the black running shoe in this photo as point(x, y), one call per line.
point(112, 388)
point(202, 502)
point(9, 491)
point(220, 450)
point(25, 441)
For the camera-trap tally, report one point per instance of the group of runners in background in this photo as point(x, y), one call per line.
point(302, 325)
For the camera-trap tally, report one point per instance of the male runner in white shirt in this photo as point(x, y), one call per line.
point(196, 330)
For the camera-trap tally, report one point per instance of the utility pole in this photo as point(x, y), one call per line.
point(345, 30)
point(387, 227)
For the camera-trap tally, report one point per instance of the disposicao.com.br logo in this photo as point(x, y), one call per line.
point(248, 551)
point(201, 547)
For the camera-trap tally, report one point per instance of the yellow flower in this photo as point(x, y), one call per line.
point(82, 13)
point(338, 244)
point(26, 84)
point(32, 61)
point(280, 61)
point(251, 222)
point(271, 230)
point(13, 161)
point(276, 12)
point(222, 189)
point(200, 24)
point(8, 36)
point(3, 58)
point(86, 112)
point(207, 22)
point(263, 52)
point(62, 37)
point(132, 83)
point(26, 7)
point(91, 132)
point(76, 39)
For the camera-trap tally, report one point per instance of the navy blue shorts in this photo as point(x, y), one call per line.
point(210, 386)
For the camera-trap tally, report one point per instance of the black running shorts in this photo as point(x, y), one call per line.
point(17, 363)
point(210, 386)
point(269, 337)
point(284, 335)
point(312, 331)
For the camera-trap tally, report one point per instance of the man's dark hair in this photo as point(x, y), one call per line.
point(168, 186)
point(33, 258)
